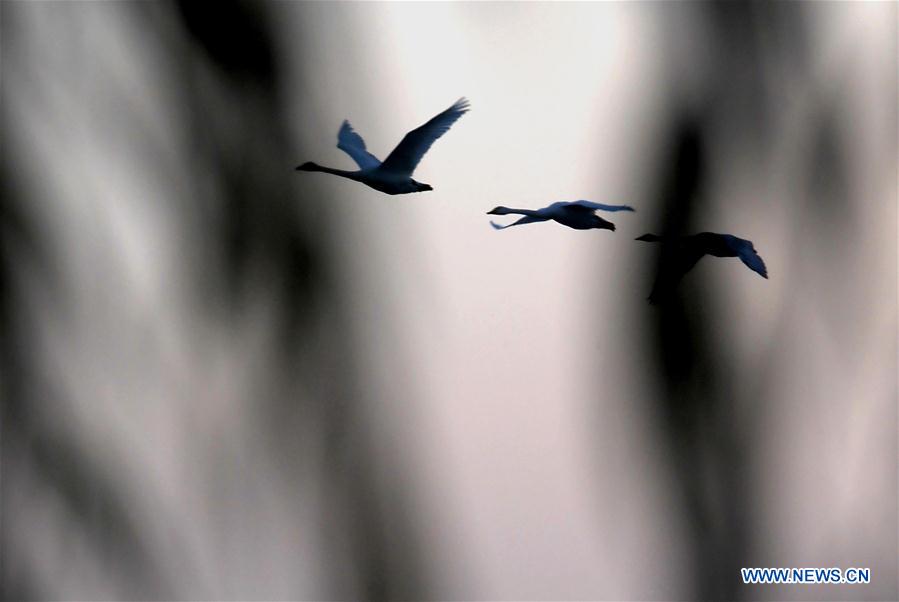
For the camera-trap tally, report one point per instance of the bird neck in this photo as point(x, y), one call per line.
point(343, 173)
point(650, 238)
point(528, 212)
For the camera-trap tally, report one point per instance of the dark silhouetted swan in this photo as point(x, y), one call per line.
point(394, 175)
point(580, 215)
point(681, 254)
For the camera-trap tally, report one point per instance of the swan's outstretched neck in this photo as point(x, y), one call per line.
point(507, 211)
point(649, 238)
point(310, 166)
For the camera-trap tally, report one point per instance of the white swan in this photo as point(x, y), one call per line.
point(681, 254)
point(580, 215)
point(394, 175)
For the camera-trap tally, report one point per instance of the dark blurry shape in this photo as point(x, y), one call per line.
point(262, 233)
point(706, 444)
point(31, 449)
point(394, 175)
point(580, 215)
point(679, 255)
point(248, 241)
point(715, 402)
point(711, 449)
point(253, 59)
point(85, 494)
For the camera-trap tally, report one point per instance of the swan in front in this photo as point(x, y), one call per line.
point(394, 174)
point(580, 215)
point(680, 254)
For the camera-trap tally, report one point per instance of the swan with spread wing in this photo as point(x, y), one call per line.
point(394, 174)
point(680, 254)
point(580, 215)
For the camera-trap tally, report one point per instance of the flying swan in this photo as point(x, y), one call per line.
point(580, 215)
point(681, 254)
point(394, 175)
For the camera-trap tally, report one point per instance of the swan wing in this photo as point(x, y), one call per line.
point(352, 144)
point(528, 219)
point(600, 206)
point(746, 252)
point(406, 156)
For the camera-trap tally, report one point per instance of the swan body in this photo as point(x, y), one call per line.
point(580, 215)
point(394, 174)
point(681, 254)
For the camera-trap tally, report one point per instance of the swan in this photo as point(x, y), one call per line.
point(682, 253)
point(580, 215)
point(394, 174)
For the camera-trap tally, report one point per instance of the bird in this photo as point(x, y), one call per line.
point(680, 254)
point(394, 174)
point(580, 215)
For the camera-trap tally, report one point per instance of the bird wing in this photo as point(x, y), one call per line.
point(528, 219)
point(352, 144)
point(406, 156)
point(746, 252)
point(599, 206)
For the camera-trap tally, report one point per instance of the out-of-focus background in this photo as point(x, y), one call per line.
point(223, 379)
